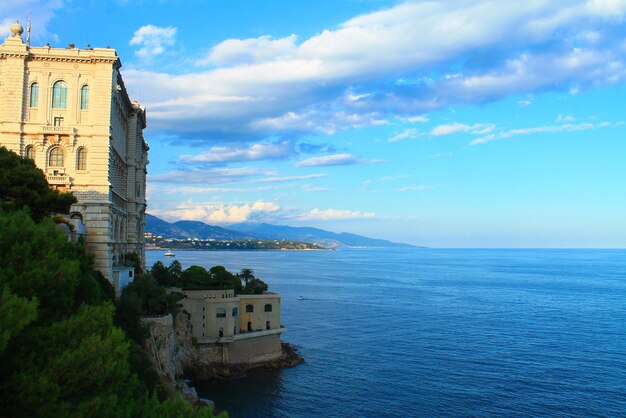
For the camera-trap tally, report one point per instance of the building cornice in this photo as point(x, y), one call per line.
point(14, 49)
point(87, 60)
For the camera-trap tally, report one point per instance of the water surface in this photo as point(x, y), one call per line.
point(422, 332)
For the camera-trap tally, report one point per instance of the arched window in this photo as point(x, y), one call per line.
point(249, 308)
point(81, 159)
point(84, 97)
point(268, 307)
point(59, 95)
point(30, 152)
point(34, 95)
point(56, 157)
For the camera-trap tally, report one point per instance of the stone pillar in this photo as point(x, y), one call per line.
point(12, 89)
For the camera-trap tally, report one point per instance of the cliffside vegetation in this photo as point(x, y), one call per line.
point(64, 349)
point(197, 277)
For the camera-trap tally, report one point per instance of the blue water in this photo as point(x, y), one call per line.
point(416, 332)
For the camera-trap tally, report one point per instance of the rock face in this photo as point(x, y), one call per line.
point(175, 354)
point(169, 357)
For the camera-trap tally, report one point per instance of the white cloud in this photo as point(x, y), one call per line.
point(289, 178)
point(412, 188)
point(336, 159)
point(566, 118)
point(317, 121)
point(566, 127)
point(406, 134)
point(524, 103)
point(254, 152)
point(312, 189)
point(217, 213)
point(204, 190)
point(153, 40)
point(335, 214)
point(40, 12)
point(210, 176)
point(265, 85)
point(417, 118)
point(453, 128)
point(249, 51)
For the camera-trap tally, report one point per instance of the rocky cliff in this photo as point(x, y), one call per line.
point(176, 356)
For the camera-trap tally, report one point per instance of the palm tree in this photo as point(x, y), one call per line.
point(247, 274)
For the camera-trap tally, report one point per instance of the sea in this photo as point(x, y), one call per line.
point(418, 332)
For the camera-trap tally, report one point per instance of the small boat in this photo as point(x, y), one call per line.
point(300, 297)
point(169, 254)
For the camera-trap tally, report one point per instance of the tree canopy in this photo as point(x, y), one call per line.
point(61, 353)
point(22, 184)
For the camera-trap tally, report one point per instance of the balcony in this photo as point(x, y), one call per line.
point(58, 179)
point(57, 129)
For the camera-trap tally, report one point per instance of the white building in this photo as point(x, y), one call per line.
point(68, 110)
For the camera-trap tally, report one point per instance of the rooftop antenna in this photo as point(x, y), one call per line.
point(28, 32)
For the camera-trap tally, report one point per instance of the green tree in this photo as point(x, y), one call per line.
point(55, 369)
point(175, 270)
point(23, 184)
point(221, 277)
point(246, 274)
point(15, 314)
point(196, 276)
point(161, 274)
point(37, 262)
point(152, 296)
point(60, 354)
point(167, 276)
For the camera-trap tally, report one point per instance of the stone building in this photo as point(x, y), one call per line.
point(220, 315)
point(68, 110)
point(235, 330)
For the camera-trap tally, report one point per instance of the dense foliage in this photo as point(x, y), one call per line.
point(197, 277)
point(22, 184)
point(61, 354)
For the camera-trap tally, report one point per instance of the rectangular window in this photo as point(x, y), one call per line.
point(220, 313)
point(58, 121)
point(84, 98)
point(235, 311)
point(34, 94)
point(59, 95)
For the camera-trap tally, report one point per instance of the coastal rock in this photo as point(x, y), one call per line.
point(176, 356)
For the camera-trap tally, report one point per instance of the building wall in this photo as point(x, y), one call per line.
point(212, 311)
point(251, 351)
point(259, 318)
point(203, 307)
point(110, 188)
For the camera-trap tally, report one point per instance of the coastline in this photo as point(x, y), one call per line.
point(181, 362)
point(151, 248)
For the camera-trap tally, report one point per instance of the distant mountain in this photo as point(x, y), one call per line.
point(190, 229)
point(312, 235)
point(200, 230)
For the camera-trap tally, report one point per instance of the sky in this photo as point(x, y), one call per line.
point(444, 123)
